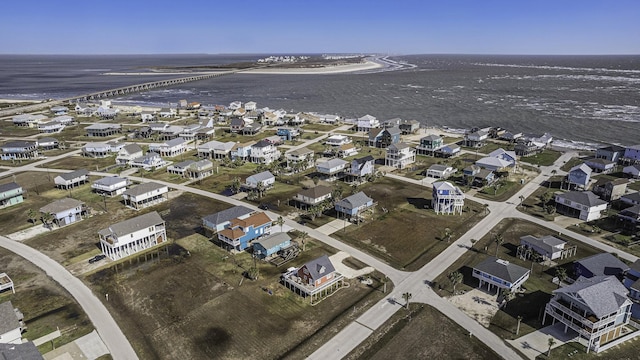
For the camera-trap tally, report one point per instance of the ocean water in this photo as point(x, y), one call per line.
point(584, 100)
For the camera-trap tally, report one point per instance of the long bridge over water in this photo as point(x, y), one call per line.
point(119, 91)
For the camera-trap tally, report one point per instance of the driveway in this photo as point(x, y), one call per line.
point(537, 342)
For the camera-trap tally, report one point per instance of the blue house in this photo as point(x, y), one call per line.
point(382, 138)
point(579, 176)
point(354, 204)
point(288, 133)
point(600, 265)
point(240, 232)
point(10, 194)
point(270, 245)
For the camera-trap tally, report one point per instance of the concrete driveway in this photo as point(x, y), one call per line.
point(537, 342)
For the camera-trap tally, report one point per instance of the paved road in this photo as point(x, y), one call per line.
point(114, 339)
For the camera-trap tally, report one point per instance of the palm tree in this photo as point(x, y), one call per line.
point(455, 278)
point(551, 342)
point(236, 185)
point(486, 208)
point(535, 257)
point(47, 219)
point(280, 221)
point(253, 273)
point(473, 242)
point(521, 197)
point(32, 215)
point(407, 296)
point(499, 240)
point(561, 274)
point(303, 235)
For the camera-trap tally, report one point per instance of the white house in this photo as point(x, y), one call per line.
point(132, 236)
point(440, 171)
point(264, 152)
point(367, 123)
point(110, 185)
point(65, 211)
point(500, 274)
point(171, 148)
point(302, 156)
point(584, 205)
point(250, 106)
point(314, 195)
point(128, 153)
point(265, 178)
point(400, 155)
point(96, 149)
point(447, 198)
point(549, 247)
point(331, 167)
point(50, 127)
point(145, 195)
point(71, 179)
point(337, 140)
point(216, 149)
point(149, 161)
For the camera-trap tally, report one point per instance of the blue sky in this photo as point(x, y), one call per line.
point(321, 26)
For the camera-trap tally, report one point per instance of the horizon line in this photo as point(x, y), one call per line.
point(314, 53)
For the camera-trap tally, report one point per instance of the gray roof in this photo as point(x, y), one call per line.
point(19, 144)
point(132, 148)
point(273, 240)
point(8, 318)
point(316, 192)
point(61, 205)
point(176, 141)
point(109, 180)
point(603, 295)
point(501, 269)
point(603, 264)
point(74, 174)
point(356, 200)
point(131, 225)
point(332, 163)
point(395, 130)
point(431, 137)
point(548, 243)
point(227, 214)
point(582, 167)
point(319, 267)
point(633, 197)
point(399, 146)
point(259, 177)
point(583, 197)
point(47, 140)
point(143, 189)
point(263, 143)
point(8, 187)
point(183, 164)
point(24, 351)
point(364, 160)
point(103, 126)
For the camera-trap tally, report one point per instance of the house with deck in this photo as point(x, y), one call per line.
point(367, 123)
point(447, 151)
point(354, 205)
point(549, 247)
point(494, 164)
point(65, 211)
point(10, 194)
point(269, 246)
point(19, 150)
point(240, 233)
point(132, 236)
point(218, 221)
point(144, 195)
point(612, 153)
point(596, 308)
point(610, 190)
point(50, 127)
point(6, 283)
point(71, 179)
point(476, 139)
point(48, 143)
point(632, 171)
point(383, 138)
point(337, 140)
point(429, 144)
point(28, 120)
point(97, 150)
point(128, 153)
point(149, 161)
point(500, 274)
point(400, 155)
point(303, 158)
point(409, 126)
point(216, 149)
point(315, 279)
point(103, 130)
point(241, 151)
point(331, 169)
point(474, 175)
point(11, 324)
point(602, 166)
point(584, 205)
point(171, 148)
point(179, 168)
point(110, 186)
point(631, 155)
point(313, 196)
point(264, 152)
point(447, 198)
point(629, 218)
point(631, 199)
point(288, 133)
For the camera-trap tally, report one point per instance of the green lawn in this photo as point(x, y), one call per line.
point(546, 158)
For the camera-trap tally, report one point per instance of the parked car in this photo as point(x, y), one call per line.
point(97, 258)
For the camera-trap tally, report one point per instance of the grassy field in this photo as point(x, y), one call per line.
point(409, 235)
point(205, 308)
point(44, 303)
point(545, 158)
point(538, 286)
point(404, 337)
point(78, 161)
point(628, 350)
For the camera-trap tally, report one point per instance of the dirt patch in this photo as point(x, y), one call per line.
point(478, 304)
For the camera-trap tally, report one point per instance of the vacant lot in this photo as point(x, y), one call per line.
point(408, 234)
point(422, 333)
point(44, 303)
point(78, 161)
point(199, 306)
